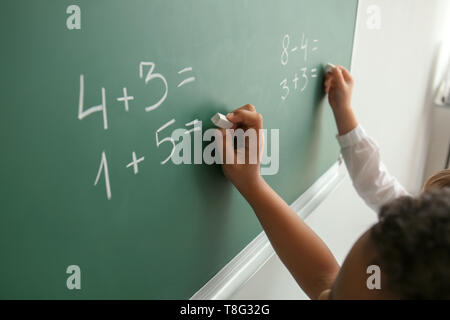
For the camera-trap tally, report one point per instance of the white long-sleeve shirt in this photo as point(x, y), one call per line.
point(369, 175)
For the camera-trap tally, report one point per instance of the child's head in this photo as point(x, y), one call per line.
point(410, 245)
point(439, 180)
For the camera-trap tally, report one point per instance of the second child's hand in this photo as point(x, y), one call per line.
point(339, 87)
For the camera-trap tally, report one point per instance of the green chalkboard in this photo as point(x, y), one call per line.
point(164, 230)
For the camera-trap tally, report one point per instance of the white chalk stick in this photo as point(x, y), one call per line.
point(221, 121)
point(329, 67)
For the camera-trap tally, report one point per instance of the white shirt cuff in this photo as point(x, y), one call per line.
point(352, 137)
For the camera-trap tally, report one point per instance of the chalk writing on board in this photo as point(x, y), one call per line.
point(285, 87)
point(315, 42)
point(135, 163)
point(284, 53)
point(167, 139)
point(147, 72)
point(187, 80)
point(151, 75)
point(125, 99)
point(100, 108)
point(179, 139)
point(104, 168)
point(301, 78)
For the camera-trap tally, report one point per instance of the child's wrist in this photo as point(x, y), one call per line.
point(346, 120)
point(342, 108)
point(250, 185)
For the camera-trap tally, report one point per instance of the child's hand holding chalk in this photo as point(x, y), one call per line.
point(242, 175)
point(339, 87)
point(329, 67)
point(221, 121)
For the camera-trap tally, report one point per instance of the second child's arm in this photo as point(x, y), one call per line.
point(361, 154)
point(305, 255)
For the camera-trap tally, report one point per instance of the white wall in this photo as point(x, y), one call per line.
point(440, 117)
point(393, 69)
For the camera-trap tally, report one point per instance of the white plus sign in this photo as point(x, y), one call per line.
point(296, 78)
point(135, 163)
point(125, 98)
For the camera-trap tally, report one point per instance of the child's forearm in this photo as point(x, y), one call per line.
point(345, 119)
point(305, 255)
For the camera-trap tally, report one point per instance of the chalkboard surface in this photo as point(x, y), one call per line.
point(89, 91)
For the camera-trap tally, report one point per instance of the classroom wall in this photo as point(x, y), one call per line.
point(393, 69)
point(438, 148)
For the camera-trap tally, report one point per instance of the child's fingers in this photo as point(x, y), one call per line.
point(247, 107)
point(327, 85)
point(347, 76)
point(236, 116)
point(329, 82)
point(225, 145)
point(328, 77)
point(249, 119)
point(231, 115)
point(337, 73)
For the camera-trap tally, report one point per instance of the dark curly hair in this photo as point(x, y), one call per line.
point(412, 245)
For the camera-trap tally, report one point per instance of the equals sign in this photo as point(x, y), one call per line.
point(187, 80)
point(315, 42)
